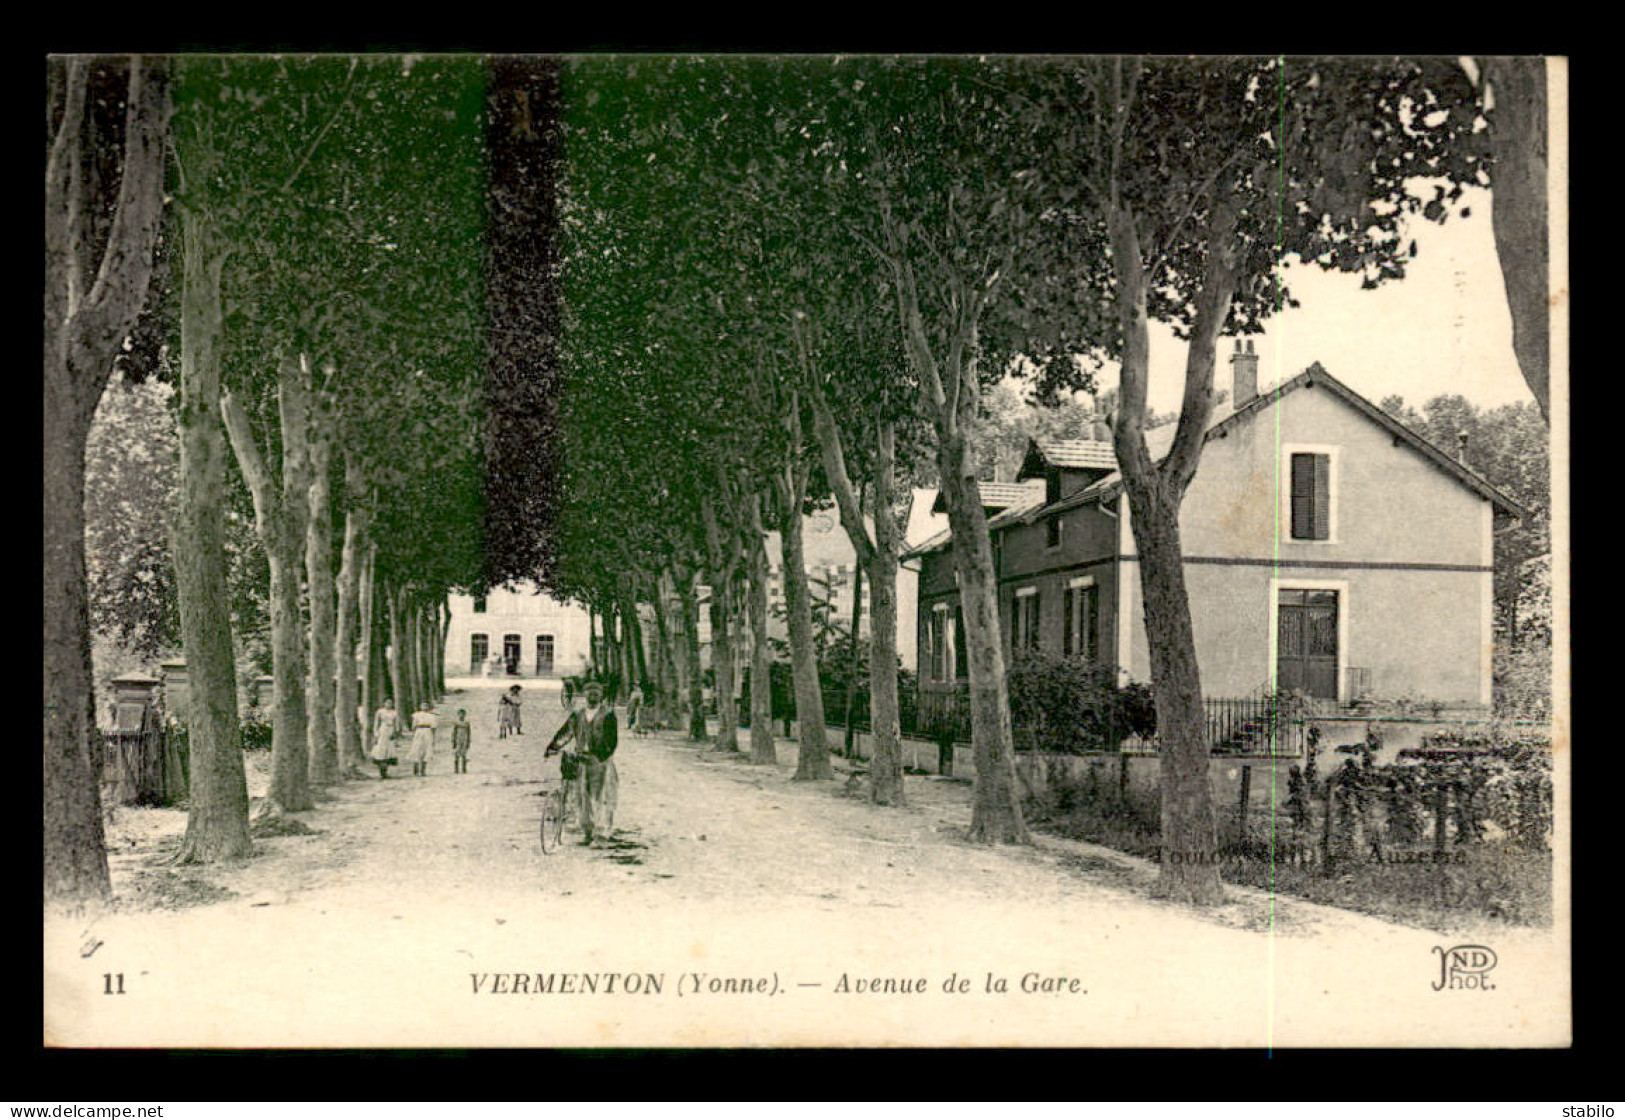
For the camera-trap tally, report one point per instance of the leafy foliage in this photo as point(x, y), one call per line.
point(130, 478)
point(1067, 704)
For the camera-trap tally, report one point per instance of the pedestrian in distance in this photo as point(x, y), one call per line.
point(508, 713)
point(386, 729)
point(591, 733)
point(424, 722)
point(461, 733)
point(516, 700)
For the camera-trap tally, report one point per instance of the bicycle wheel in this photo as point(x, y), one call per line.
point(552, 821)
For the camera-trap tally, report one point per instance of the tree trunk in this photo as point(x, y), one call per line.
point(674, 644)
point(592, 640)
point(279, 521)
point(690, 610)
point(879, 558)
point(1189, 837)
point(812, 755)
point(628, 667)
point(414, 645)
point(323, 758)
point(367, 646)
point(93, 296)
point(723, 672)
point(217, 793)
point(290, 786)
point(665, 674)
point(397, 655)
point(849, 746)
point(75, 855)
point(640, 671)
point(1518, 212)
point(1154, 491)
point(761, 658)
point(443, 608)
point(352, 605)
point(722, 661)
point(886, 761)
point(996, 817)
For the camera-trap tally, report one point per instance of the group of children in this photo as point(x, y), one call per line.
point(386, 732)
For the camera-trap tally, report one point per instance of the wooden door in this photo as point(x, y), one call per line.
point(1307, 642)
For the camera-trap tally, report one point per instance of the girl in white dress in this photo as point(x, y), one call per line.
point(423, 725)
point(386, 728)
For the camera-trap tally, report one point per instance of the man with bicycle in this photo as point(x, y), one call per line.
point(589, 767)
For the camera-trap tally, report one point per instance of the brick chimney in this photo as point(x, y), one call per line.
point(1244, 372)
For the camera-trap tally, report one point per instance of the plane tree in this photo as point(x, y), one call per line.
point(932, 169)
point(104, 192)
point(1205, 178)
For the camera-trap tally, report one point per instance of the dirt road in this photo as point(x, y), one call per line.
point(747, 909)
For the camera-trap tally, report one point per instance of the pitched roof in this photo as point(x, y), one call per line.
point(997, 495)
point(1078, 454)
point(1011, 500)
point(1160, 440)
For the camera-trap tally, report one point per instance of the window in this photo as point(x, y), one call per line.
point(1311, 505)
point(1080, 610)
point(1024, 622)
point(479, 604)
point(937, 643)
point(1052, 533)
point(544, 655)
point(479, 648)
point(510, 652)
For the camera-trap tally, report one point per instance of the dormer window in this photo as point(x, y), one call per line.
point(1052, 485)
point(1052, 533)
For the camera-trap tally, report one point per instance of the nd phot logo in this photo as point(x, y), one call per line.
point(1464, 968)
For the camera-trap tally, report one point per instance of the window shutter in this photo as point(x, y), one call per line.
point(1323, 497)
point(1068, 603)
point(961, 668)
point(1091, 639)
point(1303, 483)
point(1032, 633)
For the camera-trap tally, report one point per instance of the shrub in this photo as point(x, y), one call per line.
point(1067, 704)
point(254, 731)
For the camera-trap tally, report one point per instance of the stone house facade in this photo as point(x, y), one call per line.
point(1328, 549)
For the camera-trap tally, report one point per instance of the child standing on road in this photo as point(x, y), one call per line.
point(508, 713)
point(423, 725)
point(460, 734)
point(386, 728)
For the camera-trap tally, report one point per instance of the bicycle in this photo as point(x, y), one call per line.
point(557, 802)
point(555, 807)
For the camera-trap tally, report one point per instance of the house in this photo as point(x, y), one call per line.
point(518, 627)
point(832, 575)
point(1327, 548)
